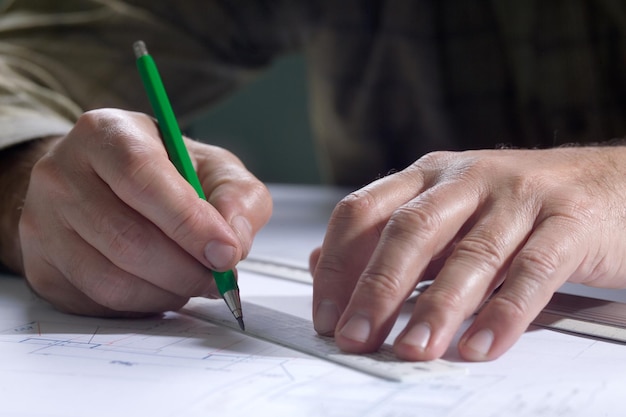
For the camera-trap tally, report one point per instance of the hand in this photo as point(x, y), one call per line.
point(523, 221)
point(109, 227)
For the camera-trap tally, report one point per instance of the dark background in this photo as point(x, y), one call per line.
point(266, 125)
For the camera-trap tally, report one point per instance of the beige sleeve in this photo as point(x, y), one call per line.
point(28, 109)
point(61, 58)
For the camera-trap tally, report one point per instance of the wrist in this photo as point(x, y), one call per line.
point(17, 163)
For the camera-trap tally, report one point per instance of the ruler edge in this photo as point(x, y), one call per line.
point(263, 266)
point(559, 323)
point(337, 358)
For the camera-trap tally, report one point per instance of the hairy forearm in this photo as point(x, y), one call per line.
point(16, 164)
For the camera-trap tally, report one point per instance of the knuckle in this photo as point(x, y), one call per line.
point(442, 165)
point(114, 291)
point(513, 309)
point(133, 160)
point(78, 273)
point(331, 264)
point(353, 204)
point(104, 127)
point(386, 284)
point(526, 187)
point(576, 208)
point(600, 270)
point(102, 119)
point(482, 246)
point(107, 286)
point(435, 159)
point(89, 120)
point(122, 136)
point(260, 193)
point(537, 264)
point(185, 221)
point(442, 299)
point(212, 152)
point(417, 220)
point(122, 140)
point(135, 178)
point(258, 190)
point(127, 243)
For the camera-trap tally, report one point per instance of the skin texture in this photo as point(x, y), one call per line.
point(522, 221)
point(108, 226)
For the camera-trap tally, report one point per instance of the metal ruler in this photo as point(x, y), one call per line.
point(298, 334)
point(584, 316)
point(277, 268)
point(574, 314)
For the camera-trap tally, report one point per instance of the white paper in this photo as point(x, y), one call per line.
point(57, 365)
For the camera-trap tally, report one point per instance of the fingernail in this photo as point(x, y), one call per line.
point(326, 318)
point(357, 328)
point(220, 255)
point(244, 231)
point(480, 342)
point(418, 336)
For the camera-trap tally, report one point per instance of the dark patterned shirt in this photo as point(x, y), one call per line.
point(390, 80)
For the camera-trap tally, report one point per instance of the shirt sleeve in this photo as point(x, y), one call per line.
point(59, 59)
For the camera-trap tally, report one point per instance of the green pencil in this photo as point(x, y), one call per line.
point(175, 146)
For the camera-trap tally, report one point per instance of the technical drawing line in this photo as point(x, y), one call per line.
point(94, 334)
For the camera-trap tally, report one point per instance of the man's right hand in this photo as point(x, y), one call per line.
point(109, 226)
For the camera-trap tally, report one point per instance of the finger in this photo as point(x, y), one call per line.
point(133, 161)
point(107, 285)
point(84, 204)
point(75, 278)
point(132, 243)
point(550, 256)
point(352, 235)
point(471, 272)
point(63, 296)
point(314, 258)
point(49, 284)
point(415, 233)
point(244, 202)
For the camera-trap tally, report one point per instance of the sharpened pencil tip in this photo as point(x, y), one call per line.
point(241, 325)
